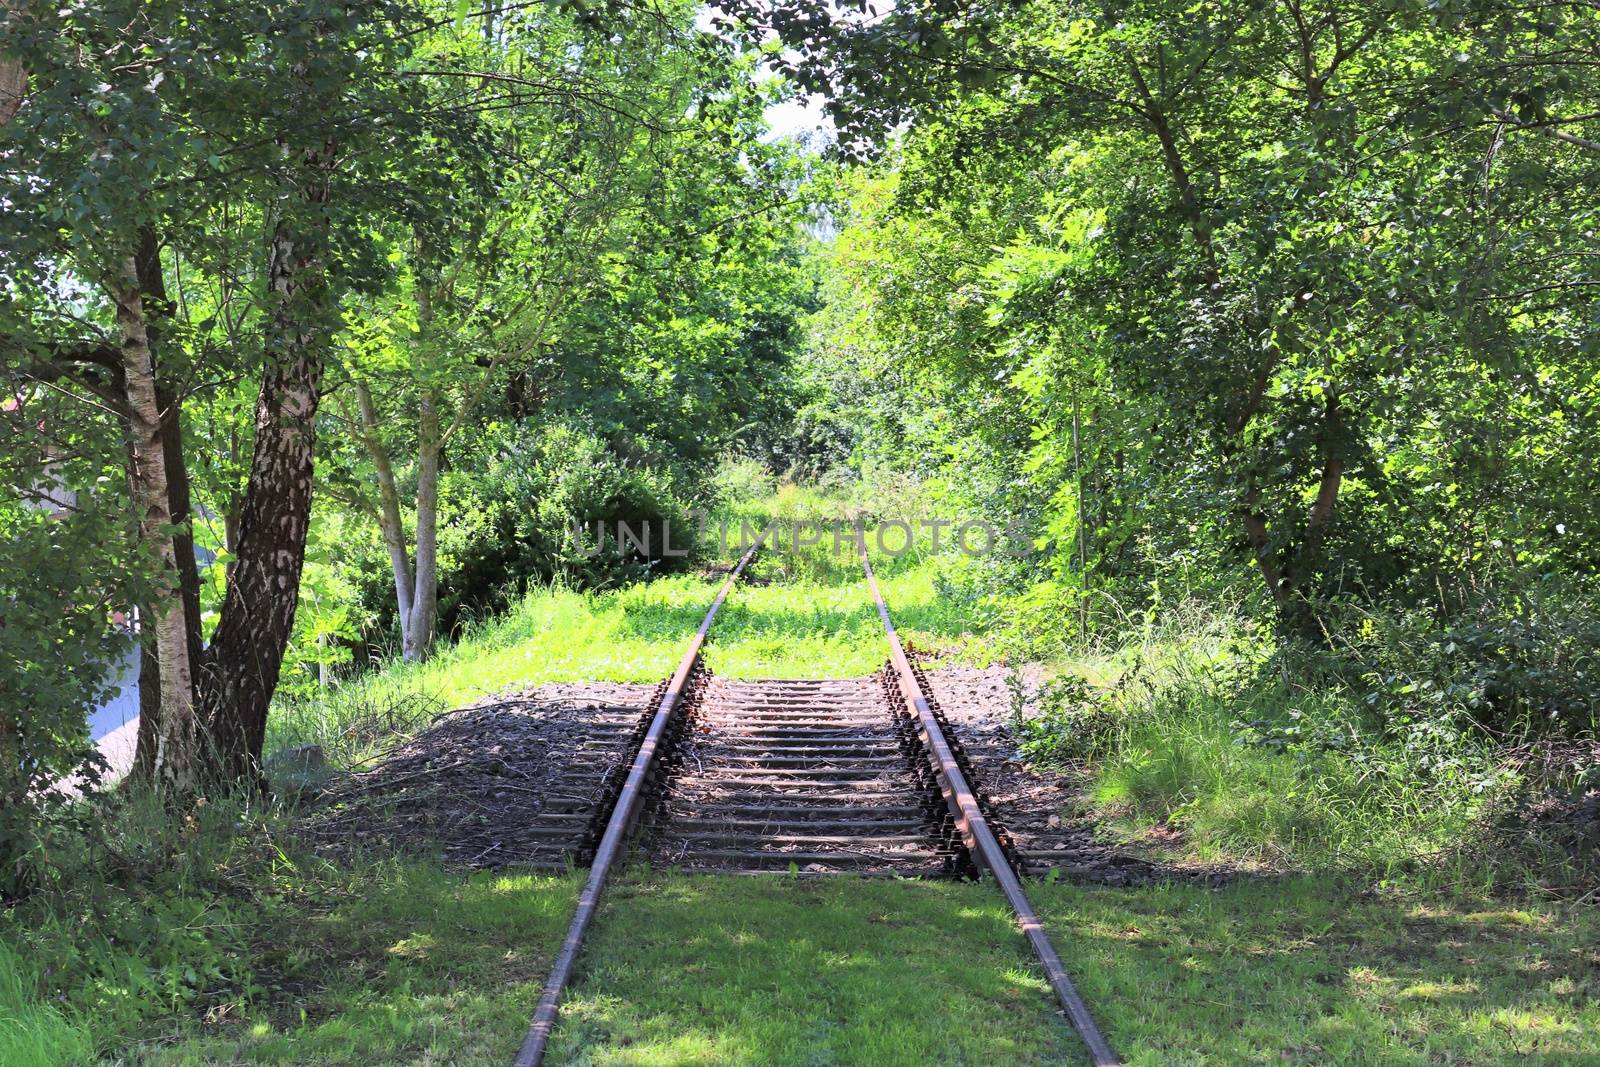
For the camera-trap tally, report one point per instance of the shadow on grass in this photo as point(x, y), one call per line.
point(411, 966)
point(1299, 971)
point(783, 971)
point(746, 971)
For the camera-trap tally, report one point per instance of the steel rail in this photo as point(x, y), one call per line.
point(980, 840)
point(617, 829)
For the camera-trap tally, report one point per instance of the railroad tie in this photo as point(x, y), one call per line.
point(799, 776)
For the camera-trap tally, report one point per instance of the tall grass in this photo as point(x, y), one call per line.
point(34, 1033)
point(1192, 718)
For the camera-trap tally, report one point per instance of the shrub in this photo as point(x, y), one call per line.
point(508, 509)
point(1509, 664)
point(1268, 750)
point(56, 637)
point(741, 480)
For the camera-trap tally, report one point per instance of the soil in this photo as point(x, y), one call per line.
point(517, 779)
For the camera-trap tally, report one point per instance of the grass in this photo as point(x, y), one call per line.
point(790, 971)
point(1304, 971)
point(33, 1033)
point(819, 623)
point(785, 971)
point(435, 968)
point(302, 964)
point(404, 964)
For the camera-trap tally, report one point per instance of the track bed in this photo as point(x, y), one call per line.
point(811, 777)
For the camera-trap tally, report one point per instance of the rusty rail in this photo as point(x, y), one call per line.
point(980, 840)
point(617, 830)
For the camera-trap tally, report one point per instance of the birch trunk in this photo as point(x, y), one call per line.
point(389, 520)
point(158, 310)
point(176, 762)
point(242, 664)
point(424, 615)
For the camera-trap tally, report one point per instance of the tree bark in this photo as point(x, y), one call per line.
point(389, 519)
point(175, 762)
point(425, 601)
point(152, 286)
point(13, 75)
point(242, 664)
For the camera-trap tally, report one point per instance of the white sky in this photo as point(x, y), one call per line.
point(800, 116)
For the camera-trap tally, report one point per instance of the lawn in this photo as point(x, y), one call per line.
point(788, 971)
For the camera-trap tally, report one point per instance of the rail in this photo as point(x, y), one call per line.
point(617, 830)
point(980, 840)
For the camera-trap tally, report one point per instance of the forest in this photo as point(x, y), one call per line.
point(345, 349)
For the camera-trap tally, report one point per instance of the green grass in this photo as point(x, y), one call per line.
point(33, 1033)
point(790, 971)
point(785, 971)
point(1298, 971)
point(434, 968)
point(821, 624)
point(392, 963)
point(403, 964)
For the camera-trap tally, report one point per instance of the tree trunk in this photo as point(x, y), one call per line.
point(425, 602)
point(246, 652)
point(389, 520)
point(13, 75)
point(176, 760)
point(158, 309)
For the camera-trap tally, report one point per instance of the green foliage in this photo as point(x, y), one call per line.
point(1258, 308)
point(526, 493)
point(57, 640)
point(1284, 756)
point(1507, 664)
point(1163, 298)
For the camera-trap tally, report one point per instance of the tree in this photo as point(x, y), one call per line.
point(619, 175)
point(152, 117)
point(1294, 225)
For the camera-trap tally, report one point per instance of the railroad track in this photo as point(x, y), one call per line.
point(805, 777)
point(809, 777)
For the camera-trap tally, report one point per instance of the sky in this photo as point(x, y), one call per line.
point(797, 116)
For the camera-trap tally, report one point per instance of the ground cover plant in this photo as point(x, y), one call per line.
point(1302, 971)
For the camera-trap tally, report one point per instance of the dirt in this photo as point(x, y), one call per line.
point(516, 779)
point(1042, 809)
point(524, 778)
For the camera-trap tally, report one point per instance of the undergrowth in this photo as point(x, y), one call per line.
point(1374, 757)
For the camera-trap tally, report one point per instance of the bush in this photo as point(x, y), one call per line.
point(56, 637)
point(741, 480)
point(1505, 665)
point(1266, 751)
point(508, 509)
